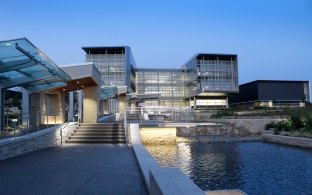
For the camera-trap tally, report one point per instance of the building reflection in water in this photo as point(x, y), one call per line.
point(211, 166)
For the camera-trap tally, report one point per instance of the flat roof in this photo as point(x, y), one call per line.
point(274, 81)
point(212, 55)
point(215, 55)
point(101, 49)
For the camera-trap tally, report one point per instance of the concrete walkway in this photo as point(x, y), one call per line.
point(73, 169)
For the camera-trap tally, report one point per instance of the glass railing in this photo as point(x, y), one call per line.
point(22, 124)
point(159, 114)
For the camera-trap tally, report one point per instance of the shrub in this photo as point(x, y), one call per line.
point(308, 123)
point(270, 125)
point(276, 131)
point(284, 126)
point(221, 113)
point(296, 122)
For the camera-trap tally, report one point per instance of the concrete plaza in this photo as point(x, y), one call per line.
point(73, 169)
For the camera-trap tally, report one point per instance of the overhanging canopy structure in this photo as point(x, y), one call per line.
point(23, 64)
point(107, 92)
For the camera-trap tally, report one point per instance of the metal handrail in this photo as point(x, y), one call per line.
point(61, 131)
point(23, 120)
point(173, 114)
point(126, 126)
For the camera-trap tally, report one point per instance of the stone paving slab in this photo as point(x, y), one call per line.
point(73, 169)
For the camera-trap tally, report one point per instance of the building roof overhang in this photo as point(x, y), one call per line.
point(23, 65)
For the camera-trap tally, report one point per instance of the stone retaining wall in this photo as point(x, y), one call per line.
point(222, 129)
point(250, 125)
point(163, 135)
point(46, 138)
point(294, 141)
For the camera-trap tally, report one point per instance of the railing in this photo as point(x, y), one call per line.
point(25, 123)
point(126, 127)
point(159, 114)
point(61, 130)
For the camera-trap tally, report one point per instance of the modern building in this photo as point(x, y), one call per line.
point(160, 87)
point(204, 82)
point(116, 66)
point(210, 79)
point(272, 93)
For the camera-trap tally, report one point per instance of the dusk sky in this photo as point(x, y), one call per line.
point(272, 38)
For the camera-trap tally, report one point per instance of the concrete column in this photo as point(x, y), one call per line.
point(71, 106)
point(227, 102)
point(80, 104)
point(25, 107)
point(53, 107)
point(122, 99)
point(90, 104)
point(106, 106)
point(132, 104)
point(195, 103)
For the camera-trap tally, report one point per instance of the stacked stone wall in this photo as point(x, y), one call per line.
point(50, 137)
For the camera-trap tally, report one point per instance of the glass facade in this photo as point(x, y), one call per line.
point(209, 80)
point(212, 73)
point(169, 83)
point(204, 82)
point(116, 65)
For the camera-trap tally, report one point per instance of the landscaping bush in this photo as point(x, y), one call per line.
point(284, 126)
point(270, 125)
point(276, 131)
point(296, 122)
point(221, 113)
point(308, 123)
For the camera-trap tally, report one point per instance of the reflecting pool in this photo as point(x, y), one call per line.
point(254, 167)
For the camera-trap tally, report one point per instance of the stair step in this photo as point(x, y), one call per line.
point(96, 137)
point(101, 124)
point(96, 141)
point(98, 133)
point(106, 133)
point(101, 128)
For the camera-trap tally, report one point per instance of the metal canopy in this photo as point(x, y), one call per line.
point(107, 92)
point(23, 64)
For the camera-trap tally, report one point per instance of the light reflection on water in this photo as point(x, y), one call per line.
point(254, 167)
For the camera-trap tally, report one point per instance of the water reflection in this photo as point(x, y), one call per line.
point(255, 167)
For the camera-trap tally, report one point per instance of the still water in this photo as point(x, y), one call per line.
point(254, 167)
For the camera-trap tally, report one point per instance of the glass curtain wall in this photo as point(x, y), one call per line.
point(167, 82)
point(111, 66)
point(211, 73)
point(111, 63)
point(217, 74)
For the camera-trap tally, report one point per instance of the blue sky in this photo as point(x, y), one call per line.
point(272, 38)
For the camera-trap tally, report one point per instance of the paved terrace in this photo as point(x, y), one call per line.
point(73, 169)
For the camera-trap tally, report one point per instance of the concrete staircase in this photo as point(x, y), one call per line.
point(99, 133)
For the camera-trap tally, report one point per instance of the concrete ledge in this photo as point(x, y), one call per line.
point(171, 181)
point(294, 141)
point(226, 192)
point(46, 138)
point(160, 181)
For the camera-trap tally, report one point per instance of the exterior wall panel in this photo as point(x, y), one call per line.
point(281, 91)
